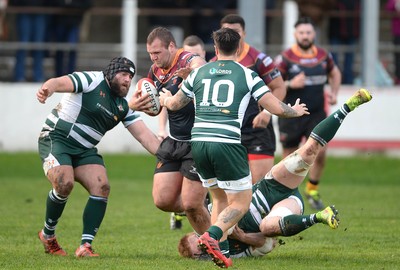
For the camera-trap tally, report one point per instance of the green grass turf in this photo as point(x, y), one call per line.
point(136, 235)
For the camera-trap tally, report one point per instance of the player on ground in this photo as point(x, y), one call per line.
point(277, 206)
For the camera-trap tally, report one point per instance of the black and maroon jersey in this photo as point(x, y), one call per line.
point(181, 121)
point(316, 68)
point(265, 67)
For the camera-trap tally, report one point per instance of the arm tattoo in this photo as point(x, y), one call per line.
point(287, 111)
point(178, 101)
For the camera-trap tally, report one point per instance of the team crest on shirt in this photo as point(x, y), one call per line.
point(120, 108)
point(294, 69)
point(324, 64)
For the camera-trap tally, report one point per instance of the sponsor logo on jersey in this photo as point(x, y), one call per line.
point(220, 71)
point(225, 111)
point(307, 61)
point(104, 109)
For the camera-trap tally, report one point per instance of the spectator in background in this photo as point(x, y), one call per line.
point(3, 27)
point(317, 11)
point(176, 24)
point(67, 29)
point(270, 5)
point(344, 29)
point(394, 5)
point(30, 27)
point(202, 25)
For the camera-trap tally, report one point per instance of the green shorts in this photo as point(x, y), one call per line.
point(222, 164)
point(56, 150)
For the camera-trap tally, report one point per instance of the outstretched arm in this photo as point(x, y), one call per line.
point(277, 107)
point(61, 84)
point(145, 136)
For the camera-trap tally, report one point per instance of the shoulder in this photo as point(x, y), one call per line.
point(190, 59)
point(85, 81)
point(321, 51)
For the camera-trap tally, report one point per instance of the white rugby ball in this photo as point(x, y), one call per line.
point(147, 85)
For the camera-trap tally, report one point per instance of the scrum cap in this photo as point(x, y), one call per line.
point(119, 64)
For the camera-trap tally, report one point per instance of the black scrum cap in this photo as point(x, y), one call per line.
point(119, 64)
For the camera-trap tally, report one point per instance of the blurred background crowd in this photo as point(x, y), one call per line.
point(40, 39)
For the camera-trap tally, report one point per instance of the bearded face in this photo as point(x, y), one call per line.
point(305, 35)
point(120, 84)
point(305, 44)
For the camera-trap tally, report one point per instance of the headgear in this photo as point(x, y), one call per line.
point(119, 64)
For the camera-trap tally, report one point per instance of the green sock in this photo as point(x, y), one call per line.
point(224, 247)
point(293, 224)
point(92, 217)
point(55, 205)
point(215, 232)
point(326, 129)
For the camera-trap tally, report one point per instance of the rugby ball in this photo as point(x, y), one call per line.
point(147, 85)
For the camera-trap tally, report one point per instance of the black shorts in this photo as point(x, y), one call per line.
point(176, 156)
point(293, 130)
point(260, 141)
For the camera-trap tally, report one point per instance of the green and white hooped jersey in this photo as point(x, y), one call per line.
point(266, 193)
point(221, 91)
point(84, 116)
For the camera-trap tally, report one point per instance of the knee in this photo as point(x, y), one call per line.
point(63, 186)
point(191, 206)
point(105, 190)
point(162, 203)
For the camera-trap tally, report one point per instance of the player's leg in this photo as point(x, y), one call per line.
point(62, 180)
point(259, 166)
point(292, 170)
point(59, 172)
point(93, 177)
point(167, 191)
point(286, 218)
point(193, 196)
point(260, 147)
point(167, 179)
point(231, 200)
point(314, 176)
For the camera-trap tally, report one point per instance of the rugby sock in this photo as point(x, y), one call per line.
point(312, 184)
point(92, 217)
point(215, 232)
point(326, 129)
point(54, 207)
point(293, 224)
point(224, 247)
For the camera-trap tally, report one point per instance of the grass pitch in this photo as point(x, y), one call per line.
point(136, 235)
